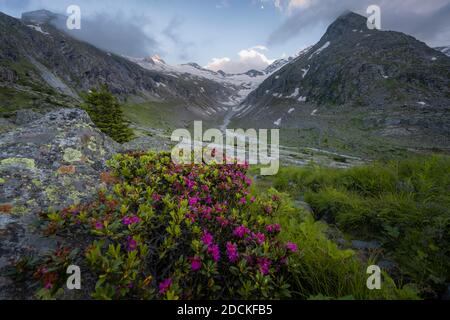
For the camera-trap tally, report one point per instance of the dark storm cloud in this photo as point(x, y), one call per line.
point(427, 20)
point(172, 31)
point(433, 28)
point(114, 34)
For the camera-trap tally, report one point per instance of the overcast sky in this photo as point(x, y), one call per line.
point(232, 35)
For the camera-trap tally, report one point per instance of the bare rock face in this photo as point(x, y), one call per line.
point(45, 164)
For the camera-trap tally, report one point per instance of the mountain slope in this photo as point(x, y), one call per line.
point(383, 83)
point(354, 64)
point(37, 57)
point(445, 50)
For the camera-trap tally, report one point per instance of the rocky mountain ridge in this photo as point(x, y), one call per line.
point(352, 64)
point(35, 56)
point(354, 83)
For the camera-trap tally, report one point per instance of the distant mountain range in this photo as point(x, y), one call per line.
point(38, 55)
point(240, 85)
point(385, 83)
point(354, 82)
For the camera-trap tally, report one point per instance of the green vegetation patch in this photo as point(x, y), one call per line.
point(403, 204)
point(165, 231)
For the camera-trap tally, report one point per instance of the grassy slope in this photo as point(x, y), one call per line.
point(405, 205)
point(150, 114)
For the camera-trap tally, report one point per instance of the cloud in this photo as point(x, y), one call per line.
point(288, 5)
point(248, 59)
point(114, 34)
point(222, 4)
point(426, 20)
point(171, 31)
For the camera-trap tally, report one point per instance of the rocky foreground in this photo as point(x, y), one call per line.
point(46, 162)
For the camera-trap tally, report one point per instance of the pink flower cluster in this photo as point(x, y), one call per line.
point(292, 247)
point(232, 252)
point(213, 249)
point(196, 263)
point(131, 244)
point(241, 231)
point(164, 286)
point(130, 220)
point(264, 265)
point(273, 228)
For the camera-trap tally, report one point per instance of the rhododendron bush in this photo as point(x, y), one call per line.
point(167, 231)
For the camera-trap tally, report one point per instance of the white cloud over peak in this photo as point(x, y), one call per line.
point(290, 5)
point(247, 59)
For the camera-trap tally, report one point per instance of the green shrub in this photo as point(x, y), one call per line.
point(105, 112)
point(166, 231)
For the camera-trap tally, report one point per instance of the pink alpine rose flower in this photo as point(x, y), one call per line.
point(130, 220)
point(196, 263)
point(207, 238)
point(232, 252)
point(292, 247)
point(264, 265)
point(98, 226)
point(241, 231)
point(260, 238)
point(165, 285)
point(131, 244)
point(214, 251)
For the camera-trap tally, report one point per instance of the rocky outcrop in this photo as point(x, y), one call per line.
point(47, 163)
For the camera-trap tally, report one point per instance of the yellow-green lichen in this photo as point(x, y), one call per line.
point(31, 203)
point(19, 210)
point(75, 196)
point(92, 145)
point(52, 194)
point(22, 162)
point(72, 155)
point(2, 181)
point(36, 182)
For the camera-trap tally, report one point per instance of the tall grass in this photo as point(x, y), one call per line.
point(324, 271)
point(403, 204)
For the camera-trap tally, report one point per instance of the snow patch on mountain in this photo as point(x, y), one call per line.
point(38, 29)
point(295, 94)
point(444, 50)
point(243, 83)
point(305, 71)
point(318, 51)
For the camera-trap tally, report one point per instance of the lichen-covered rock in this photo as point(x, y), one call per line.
point(49, 163)
point(25, 116)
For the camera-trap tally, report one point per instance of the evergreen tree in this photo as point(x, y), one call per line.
point(106, 113)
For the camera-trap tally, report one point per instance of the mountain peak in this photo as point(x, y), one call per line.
point(347, 22)
point(156, 58)
point(38, 16)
